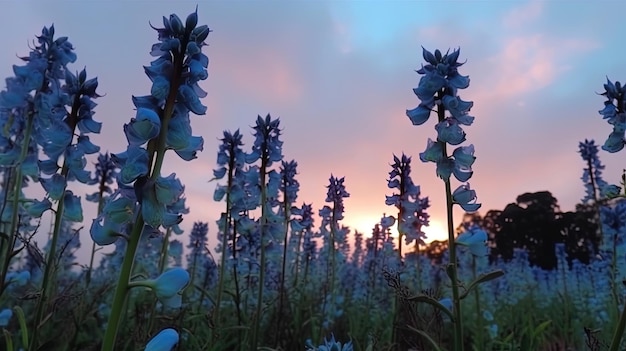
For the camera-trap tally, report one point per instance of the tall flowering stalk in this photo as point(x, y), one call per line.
point(105, 175)
point(54, 123)
point(412, 215)
point(289, 187)
point(145, 200)
point(614, 112)
point(267, 148)
point(34, 118)
point(332, 233)
point(230, 158)
point(438, 90)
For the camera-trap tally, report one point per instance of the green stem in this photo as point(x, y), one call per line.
point(225, 231)
point(282, 292)
point(456, 302)
point(119, 299)
point(617, 337)
point(93, 244)
point(6, 250)
point(479, 318)
point(458, 323)
point(50, 273)
point(259, 304)
point(48, 276)
point(159, 149)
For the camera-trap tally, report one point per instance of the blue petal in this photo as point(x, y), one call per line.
point(145, 126)
point(418, 115)
point(54, 186)
point(165, 340)
point(37, 208)
point(615, 142)
point(169, 189)
point(73, 211)
point(102, 233)
point(433, 152)
point(450, 132)
point(160, 88)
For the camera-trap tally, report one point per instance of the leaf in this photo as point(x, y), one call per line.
point(482, 279)
point(429, 300)
point(540, 328)
point(19, 312)
point(7, 338)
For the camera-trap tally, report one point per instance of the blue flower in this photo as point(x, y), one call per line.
point(19, 278)
point(266, 142)
point(169, 286)
point(411, 206)
point(615, 114)
point(331, 345)
point(165, 340)
point(105, 232)
point(54, 186)
point(335, 194)
point(475, 239)
point(463, 160)
point(73, 210)
point(450, 132)
point(133, 163)
point(418, 115)
point(145, 126)
point(36, 208)
point(5, 317)
point(179, 136)
point(466, 198)
point(433, 152)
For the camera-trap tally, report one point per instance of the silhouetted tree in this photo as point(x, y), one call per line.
point(535, 223)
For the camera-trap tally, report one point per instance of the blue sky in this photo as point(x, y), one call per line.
point(340, 75)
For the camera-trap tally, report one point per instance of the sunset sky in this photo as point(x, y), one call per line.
point(340, 75)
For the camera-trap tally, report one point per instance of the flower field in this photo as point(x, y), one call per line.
point(283, 275)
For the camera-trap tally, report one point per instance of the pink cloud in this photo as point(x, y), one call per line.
point(520, 16)
point(268, 76)
point(528, 63)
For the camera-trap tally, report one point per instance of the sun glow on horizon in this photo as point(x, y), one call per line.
point(436, 230)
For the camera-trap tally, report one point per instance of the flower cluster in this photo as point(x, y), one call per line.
point(266, 141)
point(201, 264)
point(335, 195)
point(161, 123)
point(34, 114)
point(289, 184)
point(412, 215)
point(592, 173)
point(614, 112)
point(330, 345)
point(438, 87)
point(104, 176)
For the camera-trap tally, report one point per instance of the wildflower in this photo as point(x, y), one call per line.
point(330, 345)
point(614, 112)
point(145, 126)
point(19, 278)
point(475, 240)
point(165, 340)
point(466, 198)
point(169, 286)
point(411, 207)
point(5, 317)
